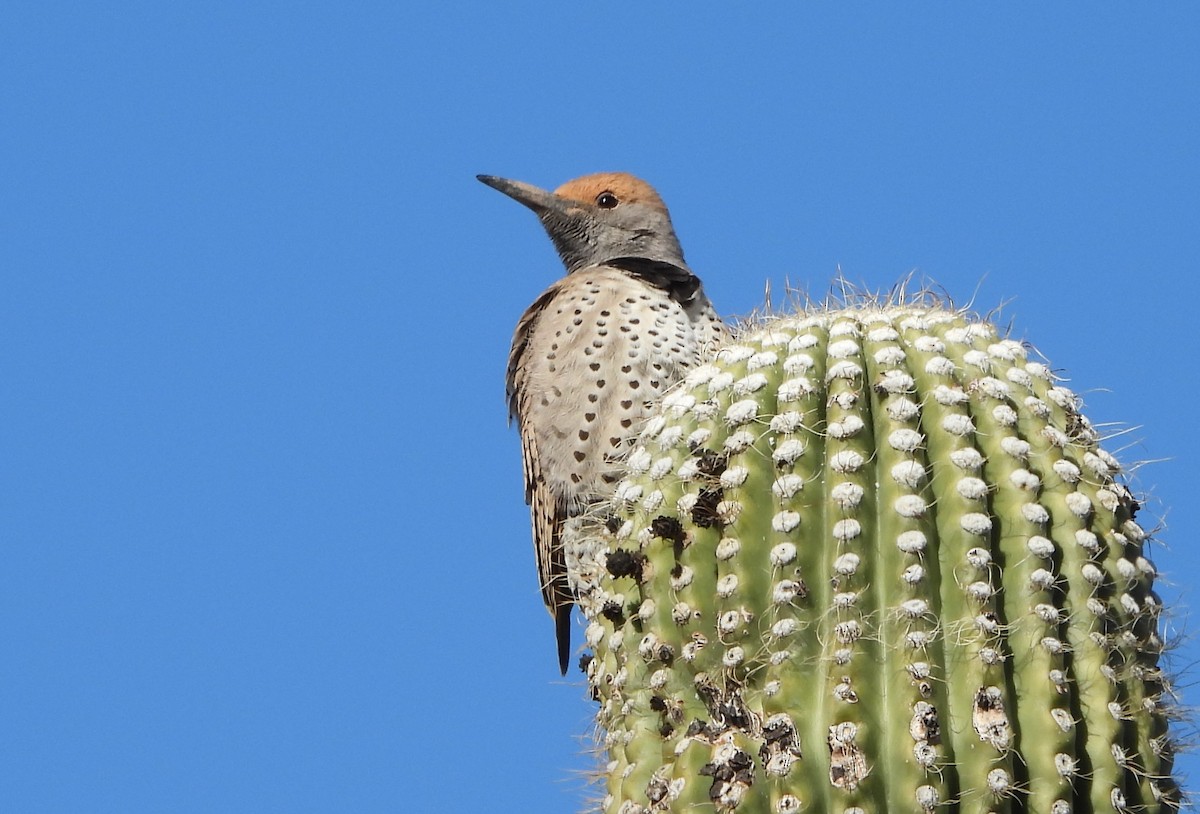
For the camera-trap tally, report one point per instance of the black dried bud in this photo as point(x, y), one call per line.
point(704, 513)
point(623, 563)
point(667, 528)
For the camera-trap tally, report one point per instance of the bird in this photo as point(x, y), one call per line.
point(593, 353)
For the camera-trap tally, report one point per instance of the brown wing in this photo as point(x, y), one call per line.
point(547, 512)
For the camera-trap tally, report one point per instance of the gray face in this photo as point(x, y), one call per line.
point(588, 234)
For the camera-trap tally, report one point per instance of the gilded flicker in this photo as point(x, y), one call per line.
point(594, 351)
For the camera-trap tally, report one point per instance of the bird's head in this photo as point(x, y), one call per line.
point(600, 217)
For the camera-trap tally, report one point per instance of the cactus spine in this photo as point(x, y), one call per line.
point(874, 560)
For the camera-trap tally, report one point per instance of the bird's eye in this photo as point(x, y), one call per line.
point(606, 200)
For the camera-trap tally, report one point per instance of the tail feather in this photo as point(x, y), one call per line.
point(562, 629)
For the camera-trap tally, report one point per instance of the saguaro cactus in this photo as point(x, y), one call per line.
point(874, 560)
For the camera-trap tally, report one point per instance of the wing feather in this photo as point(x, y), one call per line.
point(547, 511)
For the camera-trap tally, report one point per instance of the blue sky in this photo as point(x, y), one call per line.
point(264, 547)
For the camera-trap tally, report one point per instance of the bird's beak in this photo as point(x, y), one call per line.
point(539, 200)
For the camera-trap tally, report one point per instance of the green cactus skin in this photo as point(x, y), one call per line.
point(873, 560)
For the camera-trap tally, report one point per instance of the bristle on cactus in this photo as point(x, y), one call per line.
point(874, 560)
